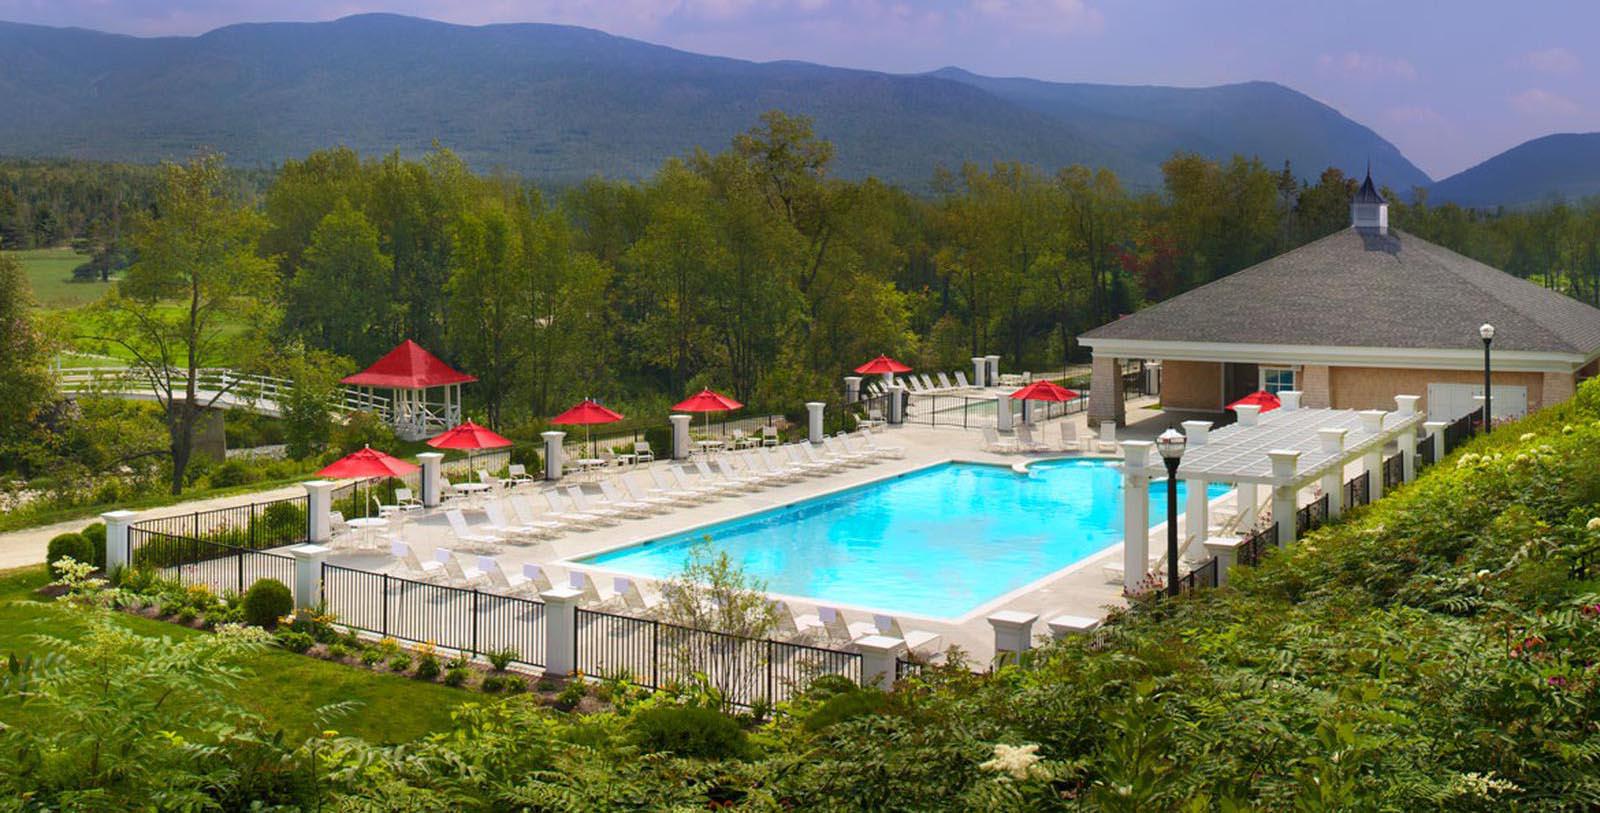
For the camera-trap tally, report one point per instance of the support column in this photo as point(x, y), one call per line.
point(994, 369)
point(814, 421)
point(1435, 431)
point(1135, 512)
point(1249, 414)
point(1002, 413)
point(1372, 461)
point(1197, 513)
point(1289, 400)
point(319, 501)
point(878, 656)
point(555, 452)
point(680, 436)
point(1406, 406)
point(1284, 463)
point(1013, 631)
point(1105, 392)
point(1333, 478)
point(560, 629)
point(980, 371)
point(308, 561)
point(888, 379)
point(852, 388)
point(897, 405)
point(1063, 626)
point(1226, 551)
point(430, 462)
point(117, 553)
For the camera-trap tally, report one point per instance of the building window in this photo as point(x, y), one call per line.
point(1277, 379)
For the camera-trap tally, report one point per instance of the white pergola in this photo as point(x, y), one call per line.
point(1285, 450)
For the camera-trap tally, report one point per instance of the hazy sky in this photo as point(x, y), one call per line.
point(1450, 83)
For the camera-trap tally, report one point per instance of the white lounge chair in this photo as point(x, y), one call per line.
point(523, 507)
point(1069, 437)
point(961, 380)
point(496, 577)
point(769, 435)
point(588, 592)
point(667, 487)
point(1108, 437)
point(798, 460)
point(927, 385)
point(746, 480)
point(581, 502)
point(560, 512)
point(642, 494)
point(810, 453)
point(873, 445)
point(501, 524)
point(915, 639)
point(642, 453)
point(792, 628)
point(1025, 439)
point(851, 457)
point(537, 577)
point(994, 443)
point(454, 571)
point(703, 483)
point(626, 595)
point(838, 629)
point(465, 534)
point(617, 501)
point(944, 381)
point(413, 567)
point(774, 468)
point(517, 474)
point(730, 485)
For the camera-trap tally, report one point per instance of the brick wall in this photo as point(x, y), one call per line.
point(1376, 387)
point(1191, 385)
point(1316, 385)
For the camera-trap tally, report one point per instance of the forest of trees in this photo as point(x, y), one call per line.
point(751, 268)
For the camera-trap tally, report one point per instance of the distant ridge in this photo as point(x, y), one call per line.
point(560, 103)
point(1564, 166)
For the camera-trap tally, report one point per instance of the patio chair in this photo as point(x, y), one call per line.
point(872, 444)
point(517, 474)
point(944, 381)
point(589, 594)
point(536, 576)
point(927, 385)
point(915, 639)
point(641, 494)
point(747, 481)
point(412, 566)
point(406, 500)
point(1025, 439)
point(910, 383)
point(500, 524)
point(1069, 437)
point(454, 571)
point(581, 501)
point(626, 595)
point(523, 507)
point(775, 469)
point(961, 380)
point(617, 501)
point(680, 478)
point(495, 577)
point(560, 512)
point(1108, 437)
point(992, 442)
point(665, 487)
point(464, 533)
point(642, 453)
point(448, 491)
point(789, 627)
point(338, 529)
point(798, 460)
point(710, 478)
point(837, 629)
point(769, 435)
point(809, 453)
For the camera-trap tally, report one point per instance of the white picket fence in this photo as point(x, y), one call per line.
point(262, 394)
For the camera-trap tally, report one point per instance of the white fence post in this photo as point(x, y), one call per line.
point(1435, 430)
point(117, 553)
point(554, 451)
point(308, 561)
point(852, 388)
point(560, 629)
point(680, 436)
point(1013, 630)
point(1002, 413)
point(430, 462)
point(1226, 549)
point(319, 501)
point(814, 416)
point(879, 654)
point(1064, 625)
point(980, 369)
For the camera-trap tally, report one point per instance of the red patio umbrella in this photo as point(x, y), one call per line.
point(882, 364)
point(707, 401)
point(471, 437)
point(1261, 398)
point(1045, 391)
point(368, 464)
point(587, 414)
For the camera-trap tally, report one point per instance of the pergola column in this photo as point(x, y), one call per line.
point(1197, 512)
point(1406, 405)
point(1289, 400)
point(1372, 462)
point(852, 388)
point(1135, 512)
point(1333, 478)
point(1284, 462)
point(1249, 414)
point(980, 368)
point(1105, 391)
point(1435, 430)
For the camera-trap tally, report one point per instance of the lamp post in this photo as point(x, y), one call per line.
point(1170, 444)
point(1486, 330)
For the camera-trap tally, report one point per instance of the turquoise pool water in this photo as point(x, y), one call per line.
point(937, 543)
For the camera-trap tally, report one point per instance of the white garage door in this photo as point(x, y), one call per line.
point(1447, 402)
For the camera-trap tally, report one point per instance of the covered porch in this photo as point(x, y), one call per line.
point(1270, 459)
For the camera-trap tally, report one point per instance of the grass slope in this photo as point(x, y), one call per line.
point(49, 272)
point(285, 689)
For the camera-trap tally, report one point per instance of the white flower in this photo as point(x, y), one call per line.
point(1593, 524)
point(1482, 785)
point(1020, 762)
point(1527, 437)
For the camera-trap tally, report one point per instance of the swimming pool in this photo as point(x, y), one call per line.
point(937, 542)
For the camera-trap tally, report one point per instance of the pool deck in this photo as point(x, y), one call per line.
point(1081, 589)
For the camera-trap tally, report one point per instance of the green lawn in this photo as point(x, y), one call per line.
point(49, 271)
point(285, 689)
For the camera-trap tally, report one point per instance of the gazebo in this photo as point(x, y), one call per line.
point(425, 393)
point(1283, 452)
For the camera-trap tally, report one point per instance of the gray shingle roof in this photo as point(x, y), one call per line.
point(1360, 288)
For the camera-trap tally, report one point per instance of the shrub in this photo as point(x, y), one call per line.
point(68, 546)
point(660, 440)
point(572, 694)
point(501, 658)
point(371, 656)
point(96, 534)
point(456, 676)
point(494, 683)
point(338, 651)
point(845, 706)
point(187, 615)
point(235, 472)
point(688, 731)
point(427, 667)
point(400, 663)
point(267, 601)
point(296, 642)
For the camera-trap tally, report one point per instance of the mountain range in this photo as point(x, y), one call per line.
point(560, 103)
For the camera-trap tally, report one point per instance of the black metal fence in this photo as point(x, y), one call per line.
point(904, 668)
point(1203, 576)
point(657, 655)
point(870, 408)
point(964, 411)
point(192, 561)
point(1311, 516)
point(1394, 471)
point(1461, 430)
point(1358, 491)
point(1425, 455)
point(1256, 544)
point(462, 619)
point(253, 526)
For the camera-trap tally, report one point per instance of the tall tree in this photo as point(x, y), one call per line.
point(27, 383)
point(198, 293)
point(340, 297)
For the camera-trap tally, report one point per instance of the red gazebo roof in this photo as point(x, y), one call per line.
point(408, 367)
